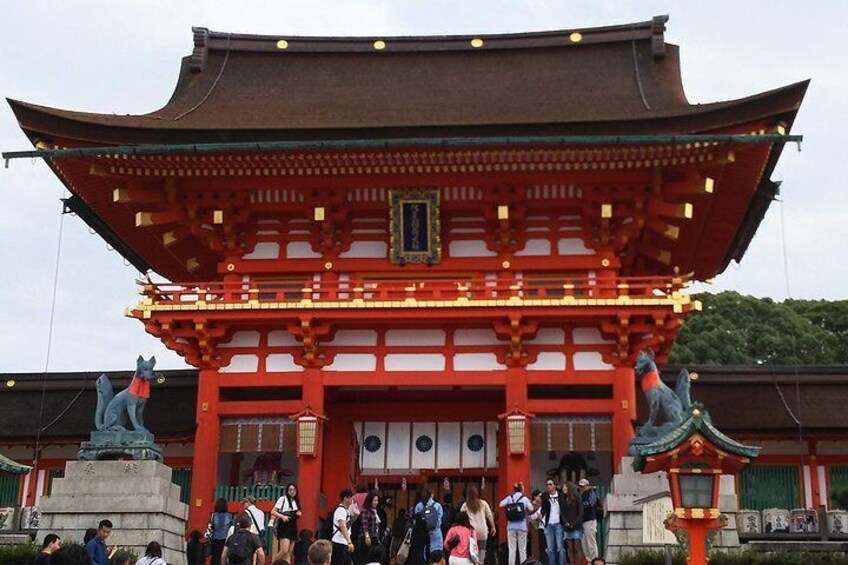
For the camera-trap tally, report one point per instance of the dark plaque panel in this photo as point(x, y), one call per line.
point(415, 226)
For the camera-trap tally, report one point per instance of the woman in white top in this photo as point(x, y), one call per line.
point(152, 555)
point(286, 511)
point(482, 519)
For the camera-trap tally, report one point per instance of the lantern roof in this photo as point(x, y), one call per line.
point(680, 441)
point(13, 467)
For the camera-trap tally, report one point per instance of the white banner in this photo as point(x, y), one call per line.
point(387, 446)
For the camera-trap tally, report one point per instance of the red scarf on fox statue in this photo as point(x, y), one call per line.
point(140, 387)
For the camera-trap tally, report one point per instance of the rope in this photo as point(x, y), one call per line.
point(37, 448)
point(636, 71)
point(785, 253)
point(214, 83)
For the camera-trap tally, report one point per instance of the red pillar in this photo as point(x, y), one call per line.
point(815, 487)
point(309, 471)
point(205, 461)
point(32, 486)
point(513, 468)
point(697, 543)
point(624, 395)
point(338, 458)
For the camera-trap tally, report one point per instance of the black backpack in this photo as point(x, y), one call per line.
point(515, 510)
point(239, 548)
point(328, 528)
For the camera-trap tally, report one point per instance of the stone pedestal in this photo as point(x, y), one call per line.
point(624, 513)
point(137, 496)
point(120, 444)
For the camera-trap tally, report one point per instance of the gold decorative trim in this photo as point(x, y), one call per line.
point(676, 302)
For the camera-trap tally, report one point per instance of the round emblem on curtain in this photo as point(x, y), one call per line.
point(475, 442)
point(372, 444)
point(424, 444)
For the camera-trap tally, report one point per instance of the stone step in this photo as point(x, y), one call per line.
point(109, 485)
point(96, 503)
point(124, 469)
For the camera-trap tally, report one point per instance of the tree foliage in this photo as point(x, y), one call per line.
point(734, 329)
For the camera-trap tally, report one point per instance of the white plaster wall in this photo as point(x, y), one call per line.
point(589, 361)
point(535, 247)
point(548, 361)
point(241, 364)
point(476, 362)
point(475, 336)
point(415, 337)
point(470, 248)
point(243, 339)
point(353, 362)
point(282, 338)
point(415, 362)
point(264, 250)
point(301, 250)
point(366, 249)
point(573, 246)
point(355, 337)
point(588, 336)
point(281, 363)
point(548, 336)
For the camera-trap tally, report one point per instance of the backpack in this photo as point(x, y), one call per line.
point(515, 510)
point(599, 509)
point(239, 548)
point(430, 517)
point(328, 528)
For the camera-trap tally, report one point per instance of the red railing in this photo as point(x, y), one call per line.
point(391, 290)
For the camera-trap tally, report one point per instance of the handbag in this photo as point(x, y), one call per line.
point(403, 551)
point(473, 550)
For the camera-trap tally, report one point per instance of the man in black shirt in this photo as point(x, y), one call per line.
point(51, 544)
point(242, 545)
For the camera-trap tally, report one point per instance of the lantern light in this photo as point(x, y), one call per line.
point(696, 491)
point(308, 425)
point(516, 431)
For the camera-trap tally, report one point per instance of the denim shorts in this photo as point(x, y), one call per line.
point(573, 534)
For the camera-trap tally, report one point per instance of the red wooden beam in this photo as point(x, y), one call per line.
point(259, 408)
point(582, 406)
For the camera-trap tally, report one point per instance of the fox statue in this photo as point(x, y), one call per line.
point(672, 404)
point(113, 410)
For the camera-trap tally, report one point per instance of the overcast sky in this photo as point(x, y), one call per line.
point(123, 57)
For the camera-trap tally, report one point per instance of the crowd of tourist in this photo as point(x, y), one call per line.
point(562, 519)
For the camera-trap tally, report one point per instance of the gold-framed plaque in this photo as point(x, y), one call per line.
point(415, 226)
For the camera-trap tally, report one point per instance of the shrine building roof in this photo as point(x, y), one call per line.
point(622, 79)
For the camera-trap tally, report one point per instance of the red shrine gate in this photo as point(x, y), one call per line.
point(419, 258)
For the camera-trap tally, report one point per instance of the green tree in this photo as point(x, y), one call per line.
point(734, 329)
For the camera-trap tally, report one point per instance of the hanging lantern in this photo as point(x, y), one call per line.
point(308, 426)
point(446, 484)
point(376, 484)
point(483, 483)
point(516, 431)
point(403, 484)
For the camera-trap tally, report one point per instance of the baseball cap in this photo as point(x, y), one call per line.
point(583, 483)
